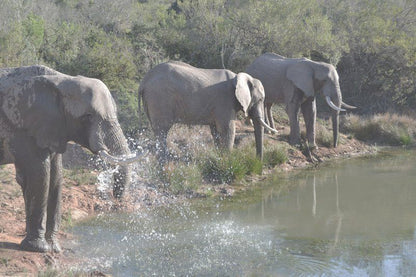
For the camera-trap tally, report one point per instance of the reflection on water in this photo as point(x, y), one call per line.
point(355, 218)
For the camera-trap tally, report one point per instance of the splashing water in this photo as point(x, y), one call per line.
point(105, 179)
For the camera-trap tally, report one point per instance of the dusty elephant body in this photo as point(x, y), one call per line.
point(295, 83)
point(40, 111)
point(177, 92)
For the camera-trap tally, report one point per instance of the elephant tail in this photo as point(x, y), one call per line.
point(139, 107)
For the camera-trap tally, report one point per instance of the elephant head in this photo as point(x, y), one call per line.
point(62, 108)
point(250, 94)
point(310, 76)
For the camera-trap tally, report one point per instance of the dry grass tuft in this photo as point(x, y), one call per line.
point(385, 129)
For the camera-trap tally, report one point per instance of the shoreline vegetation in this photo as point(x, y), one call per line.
point(197, 171)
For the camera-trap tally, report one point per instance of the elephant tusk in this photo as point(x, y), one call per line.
point(121, 160)
point(332, 105)
point(347, 106)
point(267, 126)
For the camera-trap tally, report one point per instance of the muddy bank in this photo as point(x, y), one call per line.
point(83, 198)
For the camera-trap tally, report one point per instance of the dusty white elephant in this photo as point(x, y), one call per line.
point(40, 111)
point(176, 92)
point(295, 82)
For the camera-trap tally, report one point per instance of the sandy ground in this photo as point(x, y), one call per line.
point(84, 200)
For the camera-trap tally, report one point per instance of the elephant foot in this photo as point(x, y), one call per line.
point(313, 147)
point(35, 245)
point(295, 142)
point(297, 145)
point(54, 245)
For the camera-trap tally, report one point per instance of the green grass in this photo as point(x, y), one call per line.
point(383, 129)
point(80, 176)
point(226, 167)
point(274, 155)
point(183, 178)
point(208, 165)
point(323, 135)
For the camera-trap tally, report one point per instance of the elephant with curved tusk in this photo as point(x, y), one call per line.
point(40, 111)
point(176, 92)
point(295, 82)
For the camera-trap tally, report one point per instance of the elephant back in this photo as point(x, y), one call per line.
point(13, 75)
point(26, 71)
point(270, 69)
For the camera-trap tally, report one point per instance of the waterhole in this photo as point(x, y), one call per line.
point(350, 218)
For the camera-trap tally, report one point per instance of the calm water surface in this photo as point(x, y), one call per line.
point(354, 218)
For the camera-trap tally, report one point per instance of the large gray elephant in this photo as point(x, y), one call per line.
point(40, 111)
point(295, 83)
point(176, 92)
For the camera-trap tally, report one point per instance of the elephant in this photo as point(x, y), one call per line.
point(40, 111)
point(176, 92)
point(295, 82)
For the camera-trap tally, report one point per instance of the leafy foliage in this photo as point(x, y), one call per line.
point(373, 43)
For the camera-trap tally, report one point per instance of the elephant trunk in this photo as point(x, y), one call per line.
point(258, 134)
point(335, 127)
point(109, 137)
point(334, 99)
point(256, 113)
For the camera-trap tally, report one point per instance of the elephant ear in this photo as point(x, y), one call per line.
point(243, 87)
point(43, 115)
point(74, 94)
point(301, 74)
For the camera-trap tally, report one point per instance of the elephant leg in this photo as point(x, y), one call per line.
point(269, 115)
point(292, 109)
point(161, 146)
point(33, 175)
point(21, 182)
point(309, 114)
point(161, 129)
point(226, 135)
point(215, 135)
point(54, 203)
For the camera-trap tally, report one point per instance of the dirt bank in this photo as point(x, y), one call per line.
point(82, 198)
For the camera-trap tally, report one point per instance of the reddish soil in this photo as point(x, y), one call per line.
point(84, 200)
